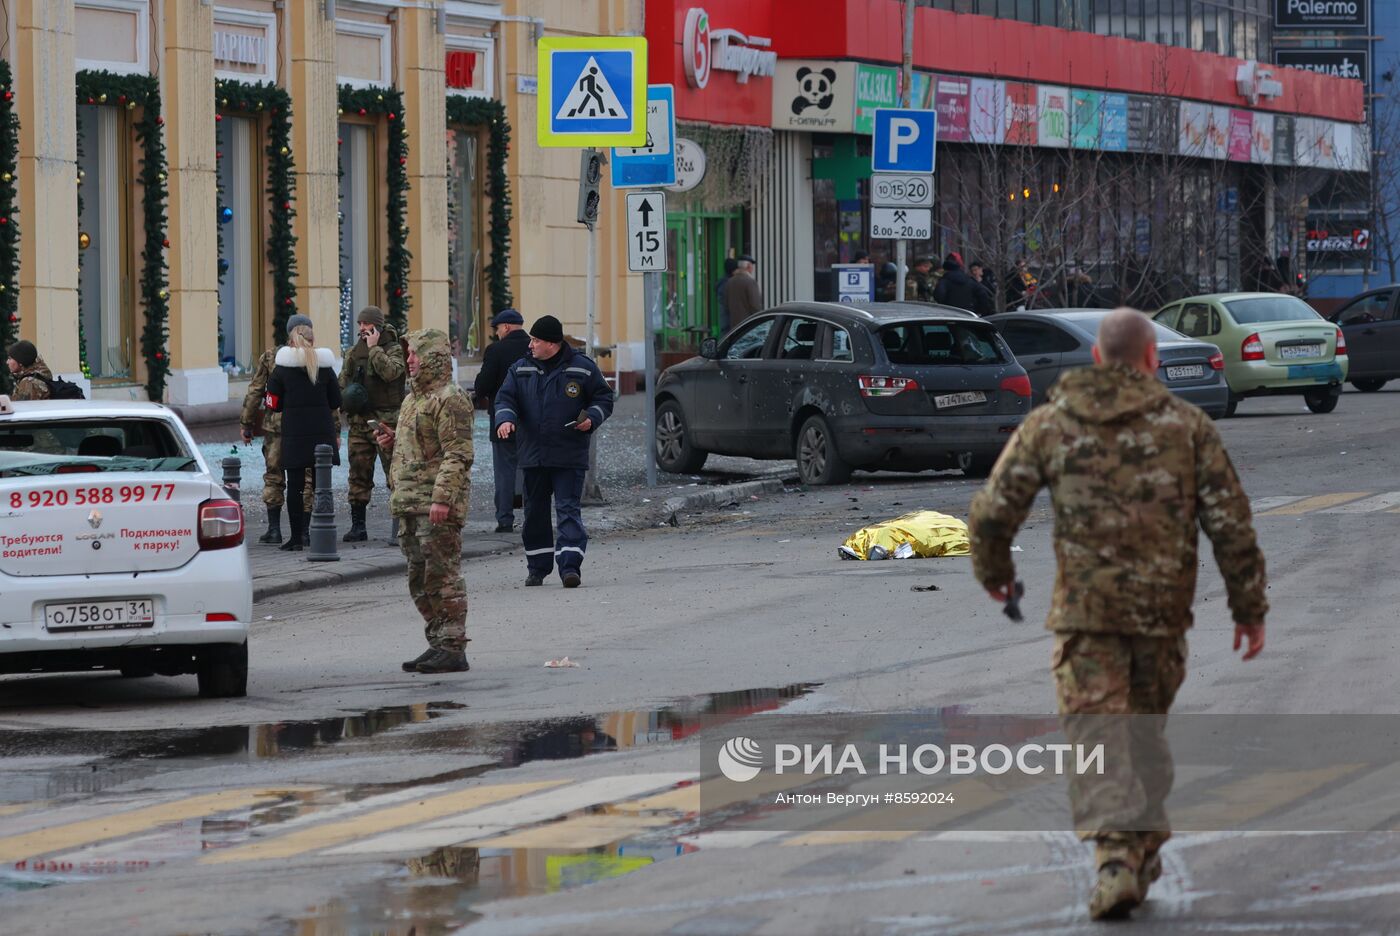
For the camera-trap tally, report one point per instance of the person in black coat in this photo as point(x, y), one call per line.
point(511, 345)
point(957, 288)
point(304, 389)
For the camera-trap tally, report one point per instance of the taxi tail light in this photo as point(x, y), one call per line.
point(1217, 361)
point(1252, 349)
point(1021, 386)
point(220, 524)
point(218, 617)
point(874, 386)
point(1341, 344)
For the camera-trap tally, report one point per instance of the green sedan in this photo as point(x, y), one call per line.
point(1272, 344)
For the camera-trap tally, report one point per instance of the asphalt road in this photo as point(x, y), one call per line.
point(345, 796)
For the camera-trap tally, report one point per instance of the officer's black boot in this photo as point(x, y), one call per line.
point(296, 522)
point(357, 532)
point(411, 666)
point(445, 661)
point(273, 536)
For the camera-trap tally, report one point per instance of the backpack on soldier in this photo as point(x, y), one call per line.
point(60, 389)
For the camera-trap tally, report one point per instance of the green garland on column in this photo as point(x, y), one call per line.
point(479, 111)
point(9, 227)
point(133, 92)
point(388, 103)
point(248, 99)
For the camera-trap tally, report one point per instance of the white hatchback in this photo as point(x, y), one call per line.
point(118, 548)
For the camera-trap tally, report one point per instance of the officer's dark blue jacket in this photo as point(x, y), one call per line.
point(541, 402)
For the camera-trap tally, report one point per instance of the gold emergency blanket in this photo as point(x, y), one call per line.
point(922, 534)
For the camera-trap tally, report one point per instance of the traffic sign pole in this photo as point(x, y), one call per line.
point(907, 73)
point(651, 294)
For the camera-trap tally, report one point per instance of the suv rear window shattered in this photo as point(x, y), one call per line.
point(941, 343)
point(41, 447)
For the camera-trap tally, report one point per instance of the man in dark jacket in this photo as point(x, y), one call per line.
point(556, 397)
point(511, 345)
point(730, 265)
point(956, 288)
point(742, 297)
point(371, 387)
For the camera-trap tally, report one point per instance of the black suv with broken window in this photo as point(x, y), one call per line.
point(841, 387)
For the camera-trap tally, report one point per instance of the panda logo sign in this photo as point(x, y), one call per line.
point(815, 89)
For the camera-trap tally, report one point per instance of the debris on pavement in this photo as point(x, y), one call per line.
point(923, 533)
point(562, 663)
point(925, 588)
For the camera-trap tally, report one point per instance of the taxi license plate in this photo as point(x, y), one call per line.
point(99, 615)
point(1300, 351)
point(959, 399)
point(1186, 372)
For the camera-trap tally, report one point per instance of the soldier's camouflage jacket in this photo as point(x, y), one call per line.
point(1131, 471)
point(433, 442)
point(257, 390)
point(31, 383)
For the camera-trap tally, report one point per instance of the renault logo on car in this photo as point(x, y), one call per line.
point(94, 518)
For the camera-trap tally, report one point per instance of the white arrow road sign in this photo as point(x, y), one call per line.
point(646, 232)
point(901, 223)
point(900, 190)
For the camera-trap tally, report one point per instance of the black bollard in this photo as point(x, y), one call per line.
point(321, 541)
point(233, 477)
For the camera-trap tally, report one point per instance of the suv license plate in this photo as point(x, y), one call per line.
point(959, 399)
point(1187, 372)
point(99, 615)
point(1300, 351)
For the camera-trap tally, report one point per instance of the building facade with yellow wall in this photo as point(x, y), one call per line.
point(188, 173)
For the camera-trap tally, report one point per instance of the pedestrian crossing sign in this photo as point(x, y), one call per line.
point(593, 91)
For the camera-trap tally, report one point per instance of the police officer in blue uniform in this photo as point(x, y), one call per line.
point(555, 399)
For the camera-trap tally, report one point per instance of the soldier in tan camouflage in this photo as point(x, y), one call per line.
point(375, 365)
point(28, 372)
point(274, 478)
point(431, 483)
point(1131, 471)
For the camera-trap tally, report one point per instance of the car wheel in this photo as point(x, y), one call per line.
point(818, 462)
point(978, 466)
point(223, 671)
point(1321, 401)
point(1368, 384)
point(674, 450)
point(1231, 404)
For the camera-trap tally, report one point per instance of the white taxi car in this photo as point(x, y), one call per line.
point(118, 548)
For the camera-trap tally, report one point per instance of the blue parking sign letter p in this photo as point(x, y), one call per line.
point(904, 140)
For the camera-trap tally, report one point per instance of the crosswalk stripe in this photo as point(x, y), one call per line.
point(1311, 504)
point(1264, 504)
point(498, 820)
point(1234, 803)
point(10, 809)
point(71, 835)
point(325, 835)
point(1368, 505)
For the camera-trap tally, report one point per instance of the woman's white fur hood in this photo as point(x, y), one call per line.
point(288, 357)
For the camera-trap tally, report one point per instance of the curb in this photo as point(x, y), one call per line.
point(326, 575)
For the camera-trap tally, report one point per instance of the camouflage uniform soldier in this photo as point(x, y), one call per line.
point(431, 484)
point(274, 478)
point(375, 364)
point(28, 372)
point(1131, 470)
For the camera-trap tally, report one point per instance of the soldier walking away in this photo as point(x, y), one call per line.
point(430, 475)
point(28, 372)
point(304, 390)
point(1131, 471)
point(371, 387)
point(256, 419)
point(556, 398)
point(511, 345)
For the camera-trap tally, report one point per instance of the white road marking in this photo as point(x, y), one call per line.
point(1269, 503)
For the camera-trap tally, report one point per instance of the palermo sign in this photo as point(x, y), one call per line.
point(1329, 14)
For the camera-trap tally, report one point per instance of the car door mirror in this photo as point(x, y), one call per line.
point(709, 349)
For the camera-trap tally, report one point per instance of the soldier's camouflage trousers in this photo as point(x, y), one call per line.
point(1121, 810)
point(434, 554)
point(363, 453)
point(275, 479)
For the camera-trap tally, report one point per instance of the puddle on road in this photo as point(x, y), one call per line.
point(119, 757)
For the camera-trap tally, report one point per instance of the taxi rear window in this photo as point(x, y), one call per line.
point(38, 447)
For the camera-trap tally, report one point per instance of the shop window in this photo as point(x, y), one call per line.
point(105, 282)
point(360, 221)
point(242, 336)
point(464, 243)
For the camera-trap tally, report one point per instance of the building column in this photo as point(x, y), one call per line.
point(423, 77)
point(314, 129)
point(48, 191)
point(187, 94)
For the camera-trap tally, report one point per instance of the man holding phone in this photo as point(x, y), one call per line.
point(371, 387)
point(551, 402)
